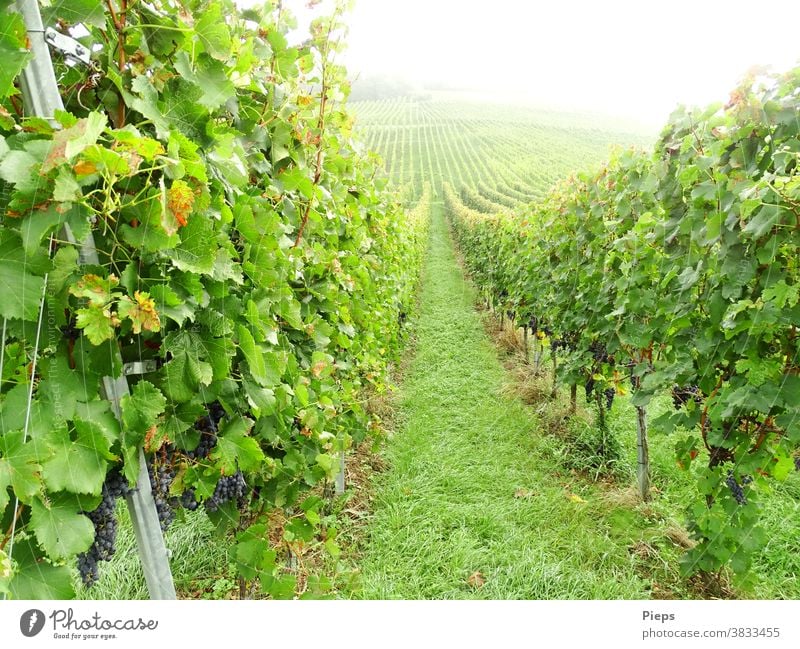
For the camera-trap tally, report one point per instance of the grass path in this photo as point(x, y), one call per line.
point(471, 506)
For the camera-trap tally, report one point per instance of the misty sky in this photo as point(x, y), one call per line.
point(624, 57)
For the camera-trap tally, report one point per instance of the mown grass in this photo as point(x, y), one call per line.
point(473, 505)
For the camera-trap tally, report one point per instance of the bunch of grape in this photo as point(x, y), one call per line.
point(229, 488)
point(797, 463)
point(104, 519)
point(681, 396)
point(609, 395)
point(162, 474)
point(600, 353)
point(70, 330)
point(737, 490)
point(557, 344)
point(589, 387)
point(161, 477)
point(189, 500)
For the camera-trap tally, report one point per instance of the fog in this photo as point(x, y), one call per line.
point(629, 58)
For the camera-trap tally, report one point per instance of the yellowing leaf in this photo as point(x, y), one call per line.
point(576, 498)
point(84, 168)
point(141, 311)
point(180, 201)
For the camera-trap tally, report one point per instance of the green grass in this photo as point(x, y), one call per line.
point(472, 485)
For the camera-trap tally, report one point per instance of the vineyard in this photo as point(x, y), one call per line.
point(260, 342)
point(497, 157)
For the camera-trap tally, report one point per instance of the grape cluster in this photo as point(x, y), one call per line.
point(609, 395)
point(589, 387)
point(681, 396)
point(737, 490)
point(189, 500)
point(70, 330)
point(229, 488)
point(557, 344)
point(797, 463)
point(208, 427)
point(600, 353)
point(161, 476)
point(104, 519)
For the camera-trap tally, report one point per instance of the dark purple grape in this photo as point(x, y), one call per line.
point(161, 478)
point(736, 489)
point(228, 489)
point(104, 519)
point(189, 500)
point(599, 353)
point(609, 394)
point(681, 396)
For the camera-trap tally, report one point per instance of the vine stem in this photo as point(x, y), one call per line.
point(119, 21)
point(321, 128)
point(704, 416)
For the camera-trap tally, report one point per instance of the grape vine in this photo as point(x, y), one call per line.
point(249, 251)
point(680, 265)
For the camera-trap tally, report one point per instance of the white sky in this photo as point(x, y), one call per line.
point(624, 57)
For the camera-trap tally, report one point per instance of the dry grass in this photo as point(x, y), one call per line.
point(712, 585)
point(625, 496)
point(679, 536)
point(532, 388)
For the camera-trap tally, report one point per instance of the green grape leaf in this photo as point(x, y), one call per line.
point(764, 220)
point(97, 323)
point(196, 252)
point(142, 407)
point(213, 32)
point(5, 483)
point(60, 529)
point(37, 578)
point(12, 50)
point(254, 356)
point(21, 459)
point(254, 557)
point(209, 75)
point(20, 292)
point(235, 450)
point(78, 465)
point(90, 12)
point(187, 370)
